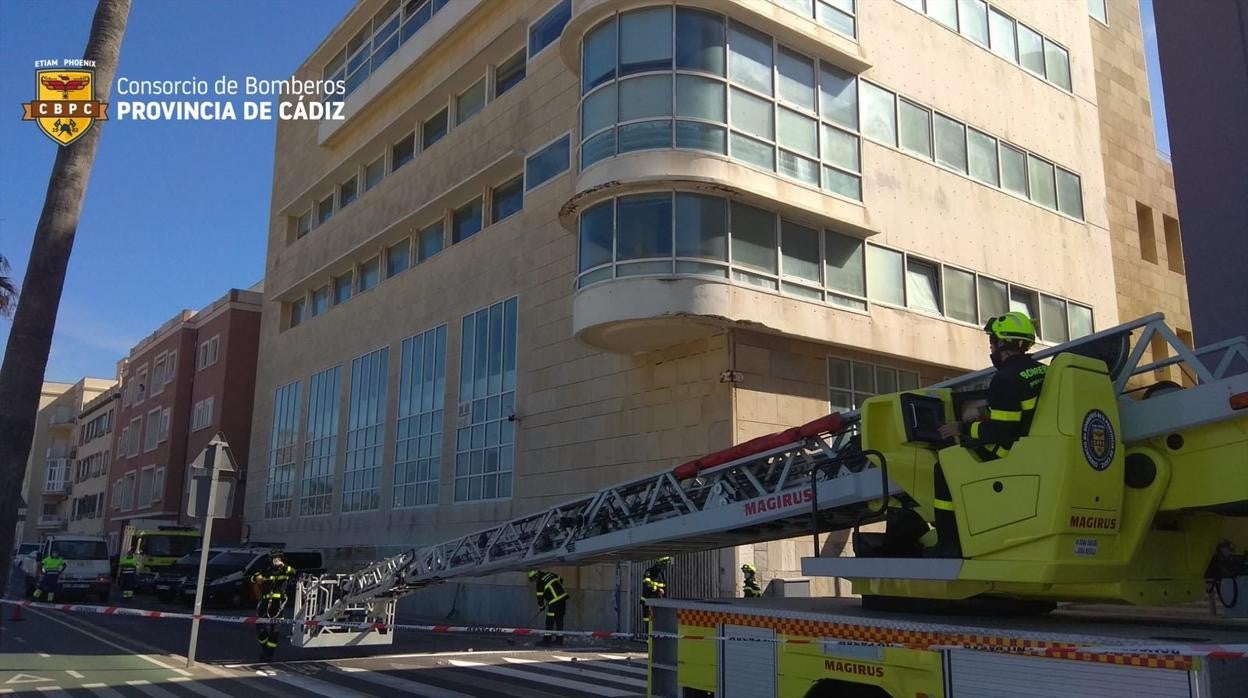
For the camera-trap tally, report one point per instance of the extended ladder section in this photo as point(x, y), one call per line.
point(772, 487)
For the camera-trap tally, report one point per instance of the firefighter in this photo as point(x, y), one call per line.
point(752, 590)
point(1012, 396)
point(552, 597)
point(653, 586)
point(127, 574)
point(50, 576)
point(273, 582)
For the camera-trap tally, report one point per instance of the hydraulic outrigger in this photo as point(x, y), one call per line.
point(1110, 497)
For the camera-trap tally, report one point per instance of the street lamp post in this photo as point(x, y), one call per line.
point(213, 467)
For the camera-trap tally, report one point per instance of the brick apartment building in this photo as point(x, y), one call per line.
point(192, 377)
point(92, 463)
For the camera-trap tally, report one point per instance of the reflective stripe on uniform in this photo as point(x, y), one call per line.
point(1029, 403)
point(1005, 415)
point(942, 504)
point(1000, 451)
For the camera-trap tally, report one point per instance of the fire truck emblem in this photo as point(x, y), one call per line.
point(64, 104)
point(1099, 442)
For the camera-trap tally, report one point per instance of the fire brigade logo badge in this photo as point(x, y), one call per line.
point(1099, 442)
point(64, 104)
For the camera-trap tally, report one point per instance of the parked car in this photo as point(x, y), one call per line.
point(167, 584)
point(229, 574)
point(86, 565)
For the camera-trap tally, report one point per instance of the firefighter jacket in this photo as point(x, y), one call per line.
point(550, 589)
point(1012, 397)
point(52, 564)
point(273, 581)
point(654, 583)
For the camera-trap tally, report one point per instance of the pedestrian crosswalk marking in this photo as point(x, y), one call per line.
point(539, 678)
point(613, 664)
point(583, 670)
point(151, 690)
point(203, 690)
point(102, 690)
point(25, 678)
point(50, 689)
point(320, 688)
point(404, 686)
point(74, 674)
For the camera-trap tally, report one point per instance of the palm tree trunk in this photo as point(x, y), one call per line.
point(30, 338)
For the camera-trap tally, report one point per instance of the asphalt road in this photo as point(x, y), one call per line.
point(61, 653)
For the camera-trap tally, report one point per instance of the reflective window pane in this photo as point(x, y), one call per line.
point(598, 147)
point(974, 18)
point(950, 142)
point(598, 56)
point(1040, 181)
point(799, 168)
point(915, 129)
point(798, 132)
point(645, 135)
point(1030, 50)
point(699, 41)
point(879, 114)
point(466, 221)
point(596, 235)
point(700, 136)
point(1013, 170)
point(547, 163)
point(753, 115)
point(838, 96)
point(840, 148)
point(843, 260)
point(1069, 194)
point(598, 110)
point(994, 298)
point(644, 226)
point(646, 40)
point(982, 156)
point(646, 96)
point(753, 152)
point(700, 97)
point(470, 102)
point(544, 31)
point(1001, 35)
point(1024, 301)
point(837, 16)
point(923, 286)
point(843, 183)
point(749, 58)
point(796, 78)
point(960, 294)
point(1053, 319)
point(1080, 321)
point(799, 247)
point(701, 226)
point(885, 276)
point(1057, 64)
point(753, 237)
point(944, 11)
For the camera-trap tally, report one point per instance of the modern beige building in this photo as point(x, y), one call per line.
point(88, 491)
point(1139, 181)
point(555, 245)
point(49, 469)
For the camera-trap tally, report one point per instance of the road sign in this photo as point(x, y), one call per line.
point(216, 457)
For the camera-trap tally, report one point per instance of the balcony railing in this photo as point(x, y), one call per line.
point(51, 521)
point(56, 475)
point(61, 418)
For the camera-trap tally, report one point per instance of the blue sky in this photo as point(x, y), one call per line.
point(176, 212)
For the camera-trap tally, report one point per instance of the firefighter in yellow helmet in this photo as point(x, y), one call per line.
point(1012, 396)
point(752, 590)
point(552, 597)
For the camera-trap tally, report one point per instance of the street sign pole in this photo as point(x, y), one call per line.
point(205, 546)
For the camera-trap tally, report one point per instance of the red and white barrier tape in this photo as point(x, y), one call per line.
point(1235, 651)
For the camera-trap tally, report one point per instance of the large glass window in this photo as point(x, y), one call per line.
point(797, 78)
point(418, 439)
point(320, 450)
point(484, 451)
point(850, 383)
point(944, 11)
point(699, 41)
point(950, 139)
point(507, 199)
point(699, 97)
point(843, 264)
point(342, 288)
point(402, 152)
point(544, 31)
point(1080, 321)
point(547, 163)
point(1053, 320)
point(646, 96)
point(646, 40)
point(597, 235)
point(994, 298)
point(398, 257)
point(838, 96)
point(837, 15)
point(283, 442)
point(923, 286)
point(885, 276)
point(509, 73)
point(471, 101)
point(431, 241)
point(366, 422)
point(799, 249)
point(879, 114)
point(369, 274)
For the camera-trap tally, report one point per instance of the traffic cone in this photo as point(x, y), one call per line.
point(17, 612)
